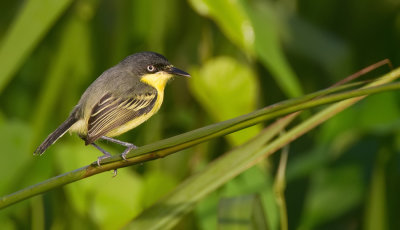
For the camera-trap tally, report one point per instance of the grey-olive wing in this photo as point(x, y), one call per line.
point(112, 112)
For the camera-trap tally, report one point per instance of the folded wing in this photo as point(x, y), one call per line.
point(112, 112)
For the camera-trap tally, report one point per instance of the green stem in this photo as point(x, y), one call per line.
point(279, 187)
point(170, 145)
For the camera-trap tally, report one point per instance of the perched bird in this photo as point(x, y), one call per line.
point(120, 99)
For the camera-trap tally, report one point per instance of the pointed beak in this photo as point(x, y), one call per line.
point(176, 71)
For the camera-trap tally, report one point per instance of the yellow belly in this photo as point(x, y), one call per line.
point(79, 127)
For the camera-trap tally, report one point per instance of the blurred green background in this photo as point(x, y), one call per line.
point(242, 55)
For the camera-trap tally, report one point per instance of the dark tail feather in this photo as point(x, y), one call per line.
point(53, 137)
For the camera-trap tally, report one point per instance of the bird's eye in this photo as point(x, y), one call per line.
point(151, 68)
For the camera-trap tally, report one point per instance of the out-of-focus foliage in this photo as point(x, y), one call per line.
point(242, 55)
point(236, 80)
point(254, 28)
point(246, 210)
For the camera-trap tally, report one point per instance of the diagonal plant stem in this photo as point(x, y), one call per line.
point(170, 145)
point(169, 210)
point(280, 185)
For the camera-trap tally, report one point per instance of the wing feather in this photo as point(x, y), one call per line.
point(112, 112)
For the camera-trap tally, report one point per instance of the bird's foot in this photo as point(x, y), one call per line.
point(100, 158)
point(129, 146)
point(105, 154)
point(127, 150)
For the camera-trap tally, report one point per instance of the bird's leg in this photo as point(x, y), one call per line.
point(105, 153)
point(129, 146)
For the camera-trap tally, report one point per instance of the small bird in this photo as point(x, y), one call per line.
point(120, 99)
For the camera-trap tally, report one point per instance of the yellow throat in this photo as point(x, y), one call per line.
point(157, 80)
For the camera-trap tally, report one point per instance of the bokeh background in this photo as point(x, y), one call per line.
point(242, 55)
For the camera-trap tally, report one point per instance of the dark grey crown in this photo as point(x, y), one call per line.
point(139, 62)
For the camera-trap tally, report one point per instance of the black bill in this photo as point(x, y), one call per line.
point(176, 71)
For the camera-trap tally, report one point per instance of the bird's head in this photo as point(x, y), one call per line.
point(153, 68)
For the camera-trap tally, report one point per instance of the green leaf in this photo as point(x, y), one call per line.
point(33, 21)
point(241, 213)
point(254, 28)
point(226, 89)
point(233, 20)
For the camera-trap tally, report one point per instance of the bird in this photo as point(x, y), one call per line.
point(120, 99)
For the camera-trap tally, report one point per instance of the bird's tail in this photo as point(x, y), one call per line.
point(54, 136)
